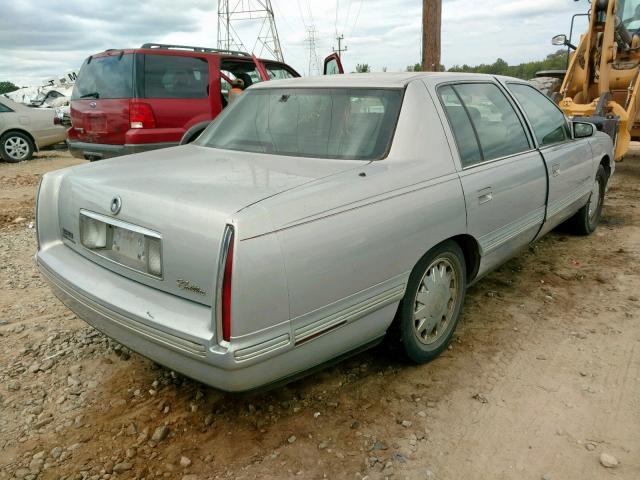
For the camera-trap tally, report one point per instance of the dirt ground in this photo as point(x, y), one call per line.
point(543, 377)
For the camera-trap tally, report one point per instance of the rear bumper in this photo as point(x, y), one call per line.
point(176, 332)
point(99, 151)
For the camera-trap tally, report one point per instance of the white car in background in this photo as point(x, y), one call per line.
point(25, 130)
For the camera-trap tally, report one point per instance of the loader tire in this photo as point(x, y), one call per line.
point(547, 85)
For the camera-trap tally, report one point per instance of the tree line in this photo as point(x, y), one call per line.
point(526, 71)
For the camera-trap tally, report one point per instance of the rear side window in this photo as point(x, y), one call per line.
point(498, 127)
point(548, 121)
point(167, 76)
point(461, 125)
point(496, 130)
point(4, 108)
point(105, 77)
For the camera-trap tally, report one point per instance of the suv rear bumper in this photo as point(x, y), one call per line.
point(99, 151)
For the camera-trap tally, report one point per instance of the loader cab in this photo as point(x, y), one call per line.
point(629, 13)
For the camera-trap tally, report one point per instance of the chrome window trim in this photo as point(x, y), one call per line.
point(499, 159)
point(222, 261)
point(126, 226)
point(531, 140)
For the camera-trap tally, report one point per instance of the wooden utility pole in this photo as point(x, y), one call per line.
point(431, 13)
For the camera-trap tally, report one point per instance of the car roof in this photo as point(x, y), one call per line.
point(374, 80)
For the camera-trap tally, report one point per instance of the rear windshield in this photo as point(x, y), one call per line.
point(344, 123)
point(105, 77)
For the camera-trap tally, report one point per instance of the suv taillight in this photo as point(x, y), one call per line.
point(141, 115)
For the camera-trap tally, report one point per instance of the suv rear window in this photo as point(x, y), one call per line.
point(335, 123)
point(170, 76)
point(105, 77)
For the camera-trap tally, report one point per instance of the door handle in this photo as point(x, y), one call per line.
point(485, 195)
point(555, 170)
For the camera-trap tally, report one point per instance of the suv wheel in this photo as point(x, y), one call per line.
point(16, 147)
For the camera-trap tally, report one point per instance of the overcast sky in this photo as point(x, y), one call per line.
point(46, 38)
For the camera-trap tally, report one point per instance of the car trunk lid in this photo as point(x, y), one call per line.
point(187, 195)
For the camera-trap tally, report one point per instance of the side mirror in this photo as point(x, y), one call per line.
point(583, 130)
point(560, 40)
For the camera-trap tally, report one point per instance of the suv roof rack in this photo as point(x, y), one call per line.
point(164, 46)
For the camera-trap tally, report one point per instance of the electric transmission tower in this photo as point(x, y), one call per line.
point(314, 64)
point(257, 12)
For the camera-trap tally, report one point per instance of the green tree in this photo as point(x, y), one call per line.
point(414, 68)
point(6, 87)
point(526, 71)
point(362, 68)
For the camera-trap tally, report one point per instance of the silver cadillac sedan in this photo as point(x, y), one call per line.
point(314, 214)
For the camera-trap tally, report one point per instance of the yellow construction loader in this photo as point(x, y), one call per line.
point(601, 84)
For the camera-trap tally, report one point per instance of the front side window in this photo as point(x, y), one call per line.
point(244, 70)
point(167, 76)
point(334, 123)
point(495, 124)
point(548, 122)
point(277, 72)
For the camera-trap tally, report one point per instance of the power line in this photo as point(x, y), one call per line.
point(355, 23)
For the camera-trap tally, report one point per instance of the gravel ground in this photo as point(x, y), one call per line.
point(542, 380)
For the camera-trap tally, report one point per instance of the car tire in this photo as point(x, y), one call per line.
point(433, 302)
point(586, 220)
point(16, 147)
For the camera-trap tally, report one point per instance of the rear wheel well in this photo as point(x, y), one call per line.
point(471, 251)
point(24, 132)
point(606, 164)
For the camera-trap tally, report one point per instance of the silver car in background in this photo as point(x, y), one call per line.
point(314, 213)
point(24, 130)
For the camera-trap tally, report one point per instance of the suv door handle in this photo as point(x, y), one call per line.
point(485, 195)
point(555, 170)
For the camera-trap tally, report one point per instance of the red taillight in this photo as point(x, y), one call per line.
point(226, 291)
point(56, 120)
point(141, 115)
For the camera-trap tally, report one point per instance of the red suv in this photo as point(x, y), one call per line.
point(133, 100)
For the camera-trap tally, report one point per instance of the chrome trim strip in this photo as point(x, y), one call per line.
point(136, 327)
point(119, 223)
point(222, 260)
point(347, 315)
point(559, 205)
point(262, 348)
point(495, 239)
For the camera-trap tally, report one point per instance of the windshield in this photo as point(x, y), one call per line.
point(105, 77)
point(629, 12)
point(335, 123)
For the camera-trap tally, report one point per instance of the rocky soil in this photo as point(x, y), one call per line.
point(542, 380)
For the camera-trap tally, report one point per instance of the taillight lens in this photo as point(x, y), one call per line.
point(56, 120)
point(141, 115)
point(226, 288)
